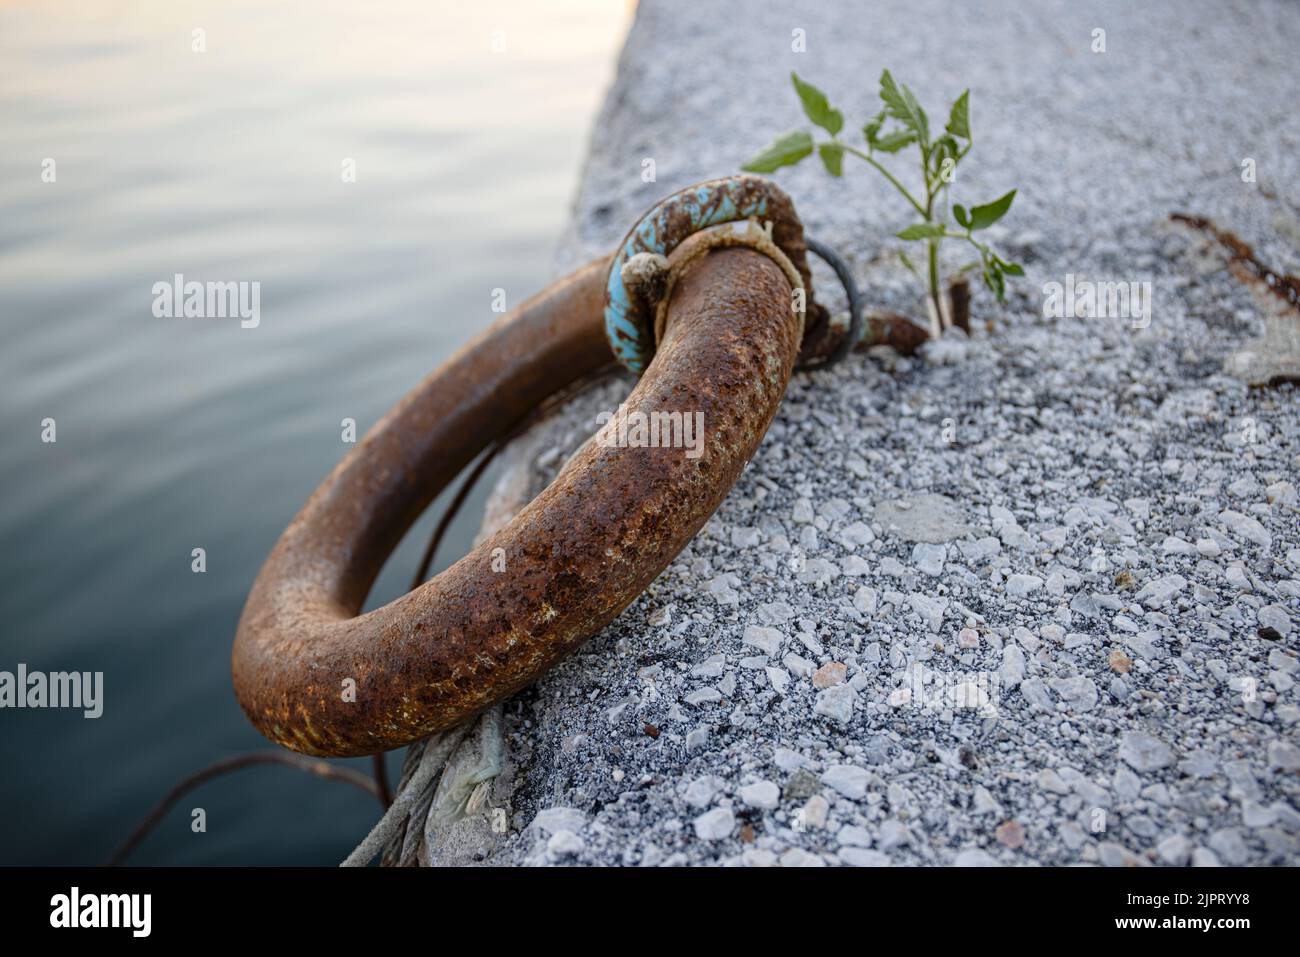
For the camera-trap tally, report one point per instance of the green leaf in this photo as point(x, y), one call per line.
point(785, 151)
point(869, 133)
point(892, 96)
point(1013, 269)
point(959, 214)
point(893, 142)
point(908, 263)
point(993, 279)
point(872, 128)
point(922, 231)
point(817, 107)
point(945, 148)
point(959, 119)
point(901, 104)
point(832, 155)
point(982, 217)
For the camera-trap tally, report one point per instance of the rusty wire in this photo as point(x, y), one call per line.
point(322, 769)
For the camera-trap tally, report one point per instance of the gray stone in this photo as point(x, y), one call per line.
point(555, 819)
point(1156, 593)
point(1021, 586)
point(837, 703)
point(818, 571)
point(715, 825)
point(1111, 854)
point(1079, 693)
point(923, 518)
point(761, 794)
point(1012, 670)
point(564, 844)
point(893, 834)
point(856, 534)
point(1199, 764)
point(847, 779)
point(865, 600)
point(766, 640)
point(1283, 756)
point(1244, 528)
point(984, 802)
point(1175, 849)
point(1256, 815)
point(853, 835)
point(701, 791)
point(1283, 661)
point(1204, 857)
point(1228, 846)
point(703, 696)
point(1144, 752)
point(930, 609)
point(1036, 694)
point(1049, 780)
point(780, 679)
point(929, 559)
point(1276, 617)
point(814, 811)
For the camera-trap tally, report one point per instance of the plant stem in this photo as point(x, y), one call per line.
point(937, 319)
point(984, 250)
point(889, 176)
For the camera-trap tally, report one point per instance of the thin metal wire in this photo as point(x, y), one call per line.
point(380, 770)
point(845, 276)
point(316, 766)
point(548, 405)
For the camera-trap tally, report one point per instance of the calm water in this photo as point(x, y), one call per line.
point(466, 124)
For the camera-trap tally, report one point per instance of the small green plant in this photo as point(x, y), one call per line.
point(899, 124)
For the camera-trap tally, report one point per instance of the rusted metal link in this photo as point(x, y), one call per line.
point(629, 321)
point(570, 562)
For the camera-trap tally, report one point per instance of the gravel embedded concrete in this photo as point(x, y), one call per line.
point(1031, 597)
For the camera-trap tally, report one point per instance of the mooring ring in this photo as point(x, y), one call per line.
point(314, 674)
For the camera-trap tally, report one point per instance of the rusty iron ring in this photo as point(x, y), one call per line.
point(315, 675)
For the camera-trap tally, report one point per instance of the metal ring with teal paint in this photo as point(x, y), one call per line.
point(629, 322)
